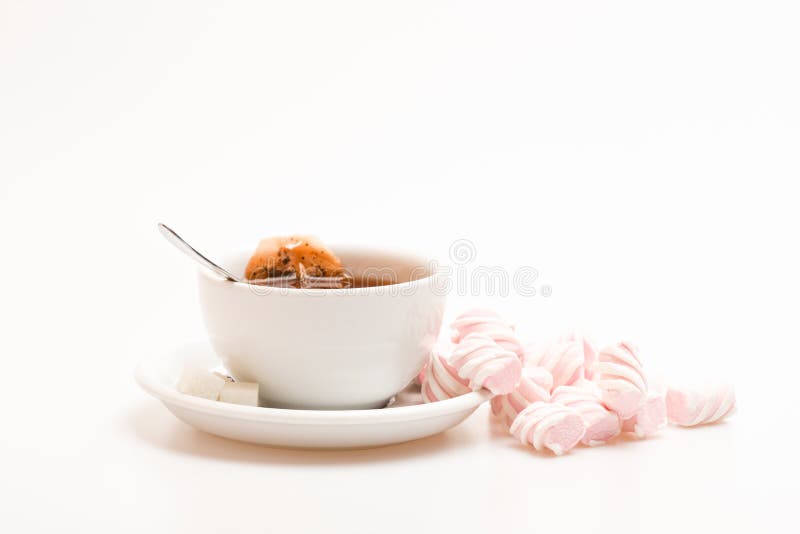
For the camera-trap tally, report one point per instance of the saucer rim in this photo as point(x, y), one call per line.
point(147, 377)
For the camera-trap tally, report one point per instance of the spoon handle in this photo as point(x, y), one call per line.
point(187, 249)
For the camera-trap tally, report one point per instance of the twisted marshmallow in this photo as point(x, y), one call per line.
point(563, 360)
point(620, 376)
point(691, 407)
point(535, 385)
point(589, 350)
point(485, 364)
point(440, 380)
point(549, 425)
point(584, 396)
point(486, 322)
point(650, 418)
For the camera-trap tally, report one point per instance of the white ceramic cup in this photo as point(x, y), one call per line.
point(327, 348)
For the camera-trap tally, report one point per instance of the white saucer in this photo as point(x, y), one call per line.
point(406, 419)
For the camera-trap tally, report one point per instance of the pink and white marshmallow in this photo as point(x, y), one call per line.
point(535, 385)
point(486, 364)
point(440, 380)
point(650, 418)
point(584, 396)
point(620, 376)
point(589, 350)
point(564, 360)
point(490, 323)
point(547, 425)
point(699, 406)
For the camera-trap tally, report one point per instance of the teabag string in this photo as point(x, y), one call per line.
point(304, 281)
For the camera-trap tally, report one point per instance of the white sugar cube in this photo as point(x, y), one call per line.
point(225, 376)
point(200, 382)
point(245, 393)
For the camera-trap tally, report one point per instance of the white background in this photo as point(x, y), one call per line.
point(643, 156)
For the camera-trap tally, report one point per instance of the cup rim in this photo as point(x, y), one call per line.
point(286, 291)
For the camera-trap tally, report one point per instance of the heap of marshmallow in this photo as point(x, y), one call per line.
point(556, 395)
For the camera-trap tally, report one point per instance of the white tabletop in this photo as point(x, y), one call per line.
point(641, 157)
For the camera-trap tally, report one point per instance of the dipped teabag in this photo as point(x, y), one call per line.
point(304, 281)
point(281, 257)
point(342, 280)
point(296, 261)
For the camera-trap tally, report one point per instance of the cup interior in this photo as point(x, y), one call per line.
point(361, 262)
